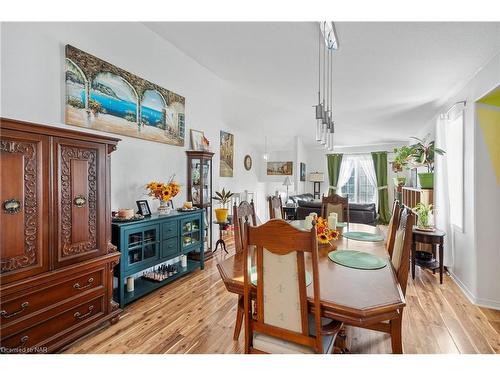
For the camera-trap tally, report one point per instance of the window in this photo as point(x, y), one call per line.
point(359, 187)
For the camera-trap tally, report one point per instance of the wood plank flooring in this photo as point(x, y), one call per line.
point(196, 315)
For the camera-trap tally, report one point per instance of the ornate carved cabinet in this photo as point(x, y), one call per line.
point(56, 279)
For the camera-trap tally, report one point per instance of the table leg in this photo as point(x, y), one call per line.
point(441, 262)
point(413, 253)
point(396, 339)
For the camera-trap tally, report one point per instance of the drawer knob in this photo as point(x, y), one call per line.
point(78, 315)
point(5, 314)
point(89, 284)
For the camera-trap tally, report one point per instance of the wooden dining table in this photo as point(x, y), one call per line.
point(356, 297)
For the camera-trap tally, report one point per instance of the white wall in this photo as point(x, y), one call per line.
point(476, 260)
point(32, 56)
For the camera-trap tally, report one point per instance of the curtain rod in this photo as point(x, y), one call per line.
point(464, 102)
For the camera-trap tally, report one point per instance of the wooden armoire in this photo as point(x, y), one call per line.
point(56, 279)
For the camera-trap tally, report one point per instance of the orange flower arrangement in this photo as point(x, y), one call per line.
point(324, 233)
point(164, 191)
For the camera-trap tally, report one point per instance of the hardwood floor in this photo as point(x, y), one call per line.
point(196, 315)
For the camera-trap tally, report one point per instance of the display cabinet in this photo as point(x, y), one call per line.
point(152, 242)
point(199, 191)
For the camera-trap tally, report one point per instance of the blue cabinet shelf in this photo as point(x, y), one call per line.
point(153, 241)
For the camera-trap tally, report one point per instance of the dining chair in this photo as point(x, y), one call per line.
point(242, 213)
point(400, 262)
point(335, 203)
point(280, 322)
point(392, 227)
point(275, 208)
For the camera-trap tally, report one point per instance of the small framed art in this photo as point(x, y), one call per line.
point(197, 138)
point(143, 207)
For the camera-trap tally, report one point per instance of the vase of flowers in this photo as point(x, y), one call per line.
point(326, 234)
point(164, 192)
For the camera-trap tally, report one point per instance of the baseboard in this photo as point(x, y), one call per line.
point(491, 304)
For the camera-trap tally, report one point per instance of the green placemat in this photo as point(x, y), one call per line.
point(363, 236)
point(357, 259)
point(253, 276)
point(341, 224)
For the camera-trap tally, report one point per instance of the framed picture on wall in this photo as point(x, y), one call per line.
point(302, 171)
point(197, 137)
point(279, 168)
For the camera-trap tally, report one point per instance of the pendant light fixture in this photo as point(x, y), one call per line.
point(328, 43)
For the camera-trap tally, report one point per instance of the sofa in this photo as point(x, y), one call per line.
point(363, 213)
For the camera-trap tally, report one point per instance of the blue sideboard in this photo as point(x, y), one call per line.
point(157, 239)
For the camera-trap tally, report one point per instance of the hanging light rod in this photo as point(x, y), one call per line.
point(329, 34)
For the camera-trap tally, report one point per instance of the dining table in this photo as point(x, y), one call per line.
point(358, 297)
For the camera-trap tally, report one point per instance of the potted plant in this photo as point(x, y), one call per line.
point(223, 197)
point(424, 211)
point(423, 153)
point(400, 161)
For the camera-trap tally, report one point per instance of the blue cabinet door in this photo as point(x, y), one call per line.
point(191, 233)
point(141, 246)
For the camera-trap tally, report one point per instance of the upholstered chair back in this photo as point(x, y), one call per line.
point(402, 247)
point(281, 307)
point(335, 203)
point(275, 208)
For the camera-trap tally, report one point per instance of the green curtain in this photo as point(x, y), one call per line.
point(334, 161)
point(380, 164)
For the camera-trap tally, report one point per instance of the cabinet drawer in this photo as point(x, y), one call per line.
point(170, 248)
point(44, 295)
point(169, 229)
point(44, 332)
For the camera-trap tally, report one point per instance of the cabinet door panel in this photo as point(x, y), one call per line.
point(81, 205)
point(24, 200)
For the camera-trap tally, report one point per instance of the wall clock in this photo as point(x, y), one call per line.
point(248, 162)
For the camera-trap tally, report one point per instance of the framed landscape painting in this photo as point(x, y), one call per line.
point(226, 154)
point(279, 168)
point(104, 97)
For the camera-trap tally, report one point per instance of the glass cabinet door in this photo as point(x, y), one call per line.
point(196, 182)
point(206, 180)
point(142, 244)
point(191, 234)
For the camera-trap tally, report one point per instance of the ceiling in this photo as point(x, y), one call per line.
point(389, 78)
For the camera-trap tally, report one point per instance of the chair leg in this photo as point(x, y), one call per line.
point(239, 319)
point(396, 339)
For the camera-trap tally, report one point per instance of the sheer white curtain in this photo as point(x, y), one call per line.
point(441, 193)
point(366, 162)
point(346, 168)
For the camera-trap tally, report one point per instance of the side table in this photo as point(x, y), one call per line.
point(290, 212)
point(220, 241)
point(435, 239)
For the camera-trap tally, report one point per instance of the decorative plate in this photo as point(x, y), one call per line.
point(247, 162)
point(137, 217)
point(187, 209)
